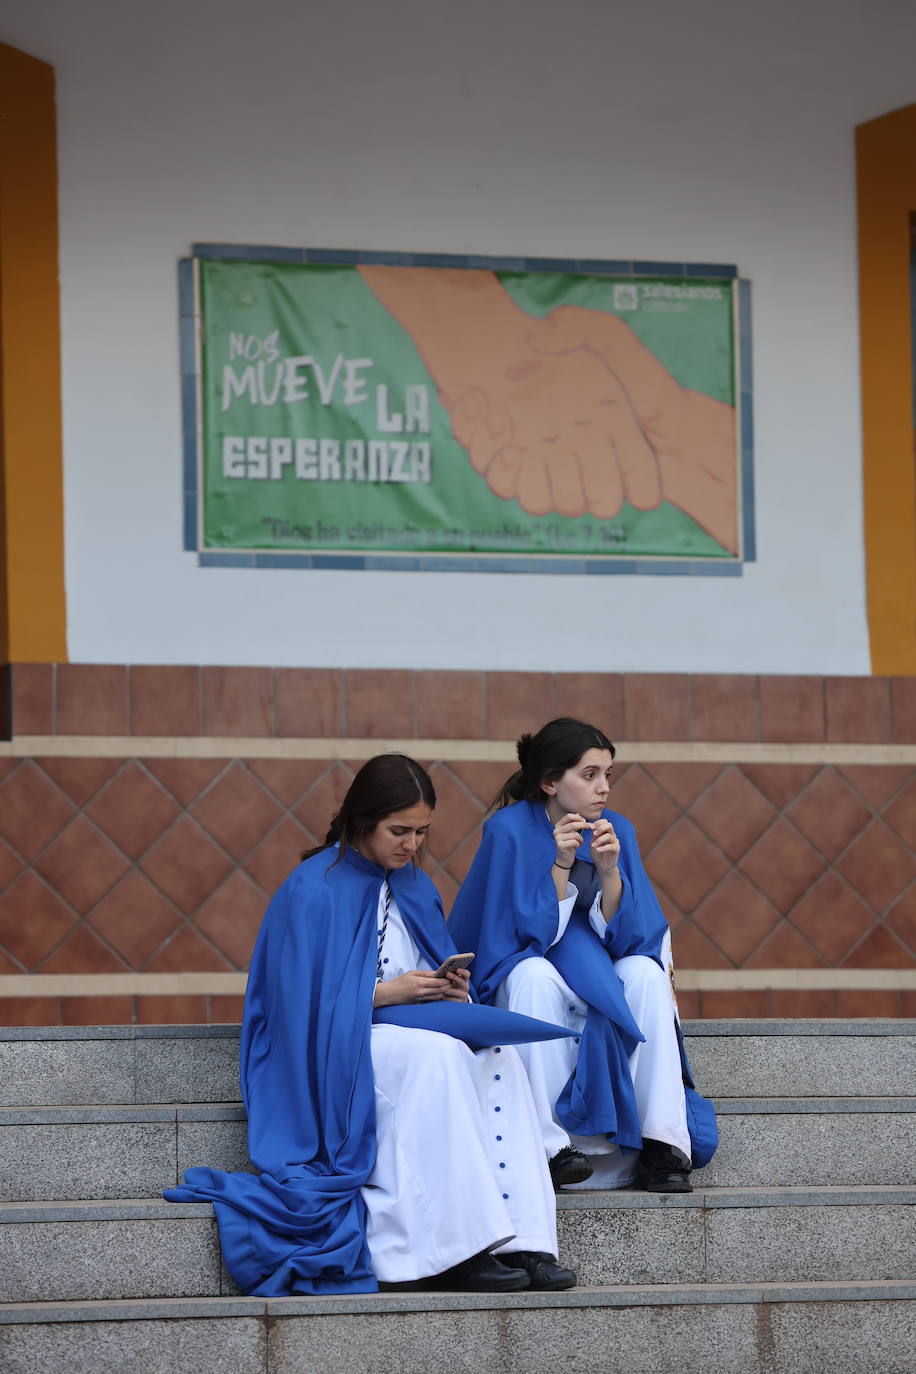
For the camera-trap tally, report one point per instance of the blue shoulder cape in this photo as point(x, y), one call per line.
point(307, 1083)
point(506, 911)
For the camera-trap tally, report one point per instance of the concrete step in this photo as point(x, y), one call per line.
point(802, 1328)
point(151, 1064)
point(53, 1153)
point(149, 1248)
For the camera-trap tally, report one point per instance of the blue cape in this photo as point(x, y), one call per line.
point(507, 911)
point(307, 1081)
point(307, 1084)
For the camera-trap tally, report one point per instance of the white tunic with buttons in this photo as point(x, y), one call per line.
point(535, 988)
point(460, 1166)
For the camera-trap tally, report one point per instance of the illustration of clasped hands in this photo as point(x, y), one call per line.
point(570, 413)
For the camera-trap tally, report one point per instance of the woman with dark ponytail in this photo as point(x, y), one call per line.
point(370, 1127)
point(567, 928)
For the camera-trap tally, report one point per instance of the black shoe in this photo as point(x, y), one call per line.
point(482, 1273)
point(569, 1166)
point(545, 1274)
point(662, 1168)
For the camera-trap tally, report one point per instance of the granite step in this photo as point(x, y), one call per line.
point(149, 1248)
point(805, 1328)
point(162, 1064)
point(77, 1152)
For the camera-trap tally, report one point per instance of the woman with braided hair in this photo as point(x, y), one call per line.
point(389, 1153)
point(567, 928)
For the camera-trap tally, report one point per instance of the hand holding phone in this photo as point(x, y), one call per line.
point(452, 964)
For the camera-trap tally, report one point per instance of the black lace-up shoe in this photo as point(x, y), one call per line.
point(569, 1166)
point(482, 1273)
point(545, 1274)
point(662, 1168)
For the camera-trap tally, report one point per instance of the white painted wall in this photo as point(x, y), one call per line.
point(716, 131)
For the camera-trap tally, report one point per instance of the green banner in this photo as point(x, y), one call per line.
point(378, 409)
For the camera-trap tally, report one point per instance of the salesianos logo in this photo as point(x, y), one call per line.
point(626, 296)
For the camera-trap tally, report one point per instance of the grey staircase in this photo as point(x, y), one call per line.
point(796, 1251)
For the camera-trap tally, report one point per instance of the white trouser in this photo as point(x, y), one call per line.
point(535, 988)
point(459, 1167)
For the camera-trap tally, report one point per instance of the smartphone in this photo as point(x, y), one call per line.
point(452, 964)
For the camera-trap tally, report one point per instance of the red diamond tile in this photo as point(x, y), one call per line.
point(80, 778)
point(880, 949)
point(81, 864)
point(323, 799)
point(9, 965)
point(458, 864)
point(135, 918)
point(448, 889)
point(186, 865)
point(902, 918)
point(33, 919)
point(287, 778)
point(733, 813)
point(692, 949)
point(638, 797)
point(10, 865)
point(783, 865)
point(876, 783)
point(673, 913)
point(829, 814)
point(133, 810)
point(232, 917)
point(186, 779)
point(683, 781)
point(187, 952)
point(832, 917)
point(686, 864)
point(82, 952)
point(485, 780)
point(278, 853)
point(736, 917)
point(32, 810)
point(237, 810)
point(457, 813)
point(878, 866)
point(785, 948)
point(901, 815)
point(780, 783)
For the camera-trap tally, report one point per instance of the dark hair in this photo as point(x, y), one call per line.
point(546, 756)
point(384, 784)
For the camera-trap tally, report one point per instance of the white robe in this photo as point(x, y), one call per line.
point(459, 1167)
point(535, 988)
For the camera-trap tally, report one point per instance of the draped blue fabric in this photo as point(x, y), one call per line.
point(307, 1084)
point(476, 1025)
point(507, 911)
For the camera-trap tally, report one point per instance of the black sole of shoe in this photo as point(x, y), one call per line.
point(571, 1175)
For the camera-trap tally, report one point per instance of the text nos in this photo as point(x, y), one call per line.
point(326, 460)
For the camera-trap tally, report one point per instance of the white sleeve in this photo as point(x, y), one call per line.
point(596, 917)
point(566, 908)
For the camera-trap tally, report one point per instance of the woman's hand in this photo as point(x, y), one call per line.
point(605, 849)
point(456, 985)
point(412, 986)
point(567, 836)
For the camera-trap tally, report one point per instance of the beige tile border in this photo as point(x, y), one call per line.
point(228, 984)
point(460, 750)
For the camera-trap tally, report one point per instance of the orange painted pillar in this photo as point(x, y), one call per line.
point(886, 164)
point(33, 626)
